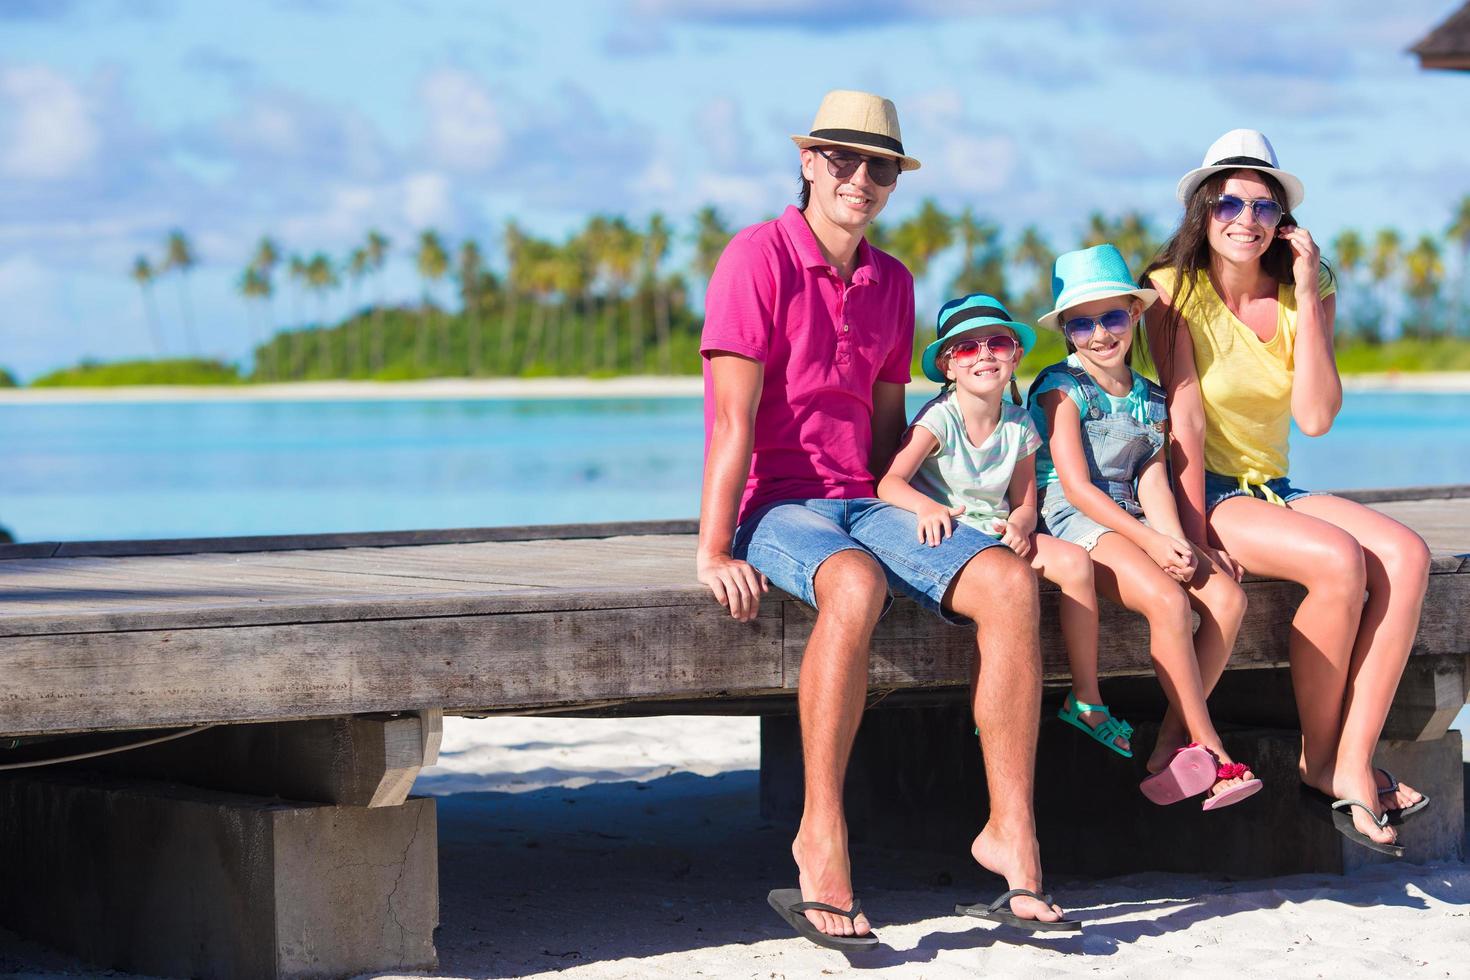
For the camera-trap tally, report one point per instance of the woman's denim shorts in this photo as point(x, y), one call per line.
point(787, 541)
point(1218, 488)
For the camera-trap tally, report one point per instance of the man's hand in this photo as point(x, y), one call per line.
point(736, 585)
point(936, 522)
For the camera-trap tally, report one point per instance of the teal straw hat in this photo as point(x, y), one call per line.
point(1093, 273)
point(966, 315)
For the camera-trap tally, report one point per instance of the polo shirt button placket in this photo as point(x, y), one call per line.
point(844, 351)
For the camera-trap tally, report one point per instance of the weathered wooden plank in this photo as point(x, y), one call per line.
point(95, 681)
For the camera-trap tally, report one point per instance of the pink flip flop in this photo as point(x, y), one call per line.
point(1190, 772)
point(1232, 770)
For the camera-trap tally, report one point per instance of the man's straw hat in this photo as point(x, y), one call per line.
point(860, 121)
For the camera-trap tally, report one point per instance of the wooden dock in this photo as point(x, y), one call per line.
point(283, 842)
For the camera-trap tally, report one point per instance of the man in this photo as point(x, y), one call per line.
point(808, 339)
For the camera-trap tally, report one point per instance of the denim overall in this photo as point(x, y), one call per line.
point(1116, 446)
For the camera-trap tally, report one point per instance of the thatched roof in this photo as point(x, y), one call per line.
point(1448, 45)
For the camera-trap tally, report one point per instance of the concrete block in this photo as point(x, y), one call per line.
point(166, 880)
point(916, 780)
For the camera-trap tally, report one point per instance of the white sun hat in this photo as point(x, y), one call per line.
point(861, 121)
point(1242, 149)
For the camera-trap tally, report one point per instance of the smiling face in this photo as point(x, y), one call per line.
point(1242, 240)
point(988, 374)
point(1103, 349)
point(849, 204)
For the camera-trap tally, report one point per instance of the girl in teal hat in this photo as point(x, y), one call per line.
point(1105, 487)
point(970, 456)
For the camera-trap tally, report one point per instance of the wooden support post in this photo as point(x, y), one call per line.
point(357, 760)
point(1430, 695)
point(163, 879)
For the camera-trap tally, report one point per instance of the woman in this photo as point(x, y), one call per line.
point(1242, 337)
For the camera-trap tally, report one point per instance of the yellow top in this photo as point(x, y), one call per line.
point(1245, 384)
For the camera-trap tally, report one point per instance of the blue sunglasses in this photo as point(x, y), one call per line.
point(1080, 328)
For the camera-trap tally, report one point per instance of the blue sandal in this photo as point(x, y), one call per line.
point(1108, 731)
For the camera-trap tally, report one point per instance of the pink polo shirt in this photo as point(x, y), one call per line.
point(824, 344)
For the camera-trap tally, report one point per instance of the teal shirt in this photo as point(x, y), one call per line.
point(1135, 403)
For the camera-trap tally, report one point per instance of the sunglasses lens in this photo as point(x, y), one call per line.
point(1228, 207)
point(1268, 213)
point(964, 352)
point(1116, 321)
point(1002, 346)
point(883, 170)
point(1078, 328)
point(841, 164)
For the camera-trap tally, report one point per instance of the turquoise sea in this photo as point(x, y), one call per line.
point(143, 470)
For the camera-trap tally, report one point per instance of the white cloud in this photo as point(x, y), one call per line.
point(47, 130)
point(426, 200)
point(465, 131)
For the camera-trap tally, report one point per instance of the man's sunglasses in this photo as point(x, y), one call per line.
point(1267, 212)
point(1079, 329)
point(842, 164)
point(963, 353)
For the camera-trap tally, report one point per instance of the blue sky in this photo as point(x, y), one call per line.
point(315, 120)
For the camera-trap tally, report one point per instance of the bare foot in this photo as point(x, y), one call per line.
point(1017, 859)
point(1221, 785)
point(1361, 785)
point(1404, 796)
point(826, 877)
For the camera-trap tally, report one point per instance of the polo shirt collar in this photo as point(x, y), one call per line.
point(804, 240)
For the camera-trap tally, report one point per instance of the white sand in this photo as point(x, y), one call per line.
point(524, 388)
point(633, 848)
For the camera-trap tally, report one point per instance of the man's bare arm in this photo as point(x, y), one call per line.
point(736, 391)
point(889, 422)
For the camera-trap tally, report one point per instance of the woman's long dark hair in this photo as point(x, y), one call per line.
point(1188, 251)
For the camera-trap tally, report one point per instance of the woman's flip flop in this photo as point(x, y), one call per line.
point(1397, 815)
point(1191, 771)
point(1340, 812)
point(1227, 797)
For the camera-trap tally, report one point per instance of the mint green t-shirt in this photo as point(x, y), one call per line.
point(1135, 403)
point(962, 474)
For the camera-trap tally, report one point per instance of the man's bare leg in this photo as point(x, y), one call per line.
point(850, 591)
point(998, 591)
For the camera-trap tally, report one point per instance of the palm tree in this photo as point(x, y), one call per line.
point(921, 237)
point(296, 274)
point(471, 271)
point(377, 254)
point(1423, 273)
point(1033, 256)
point(514, 243)
point(320, 279)
point(267, 257)
point(1459, 232)
point(1349, 251)
point(180, 258)
point(656, 249)
point(432, 262)
point(982, 262)
point(622, 252)
point(1383, 265)
point(711, 235)
point(143, 275)
point(255, 288)
point(357, 268)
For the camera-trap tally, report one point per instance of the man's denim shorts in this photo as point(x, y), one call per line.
point(788, 540)
point(1218, 488)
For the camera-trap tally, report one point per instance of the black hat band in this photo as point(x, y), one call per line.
point(973, 313)
point(1246, 162)
point(858, 136)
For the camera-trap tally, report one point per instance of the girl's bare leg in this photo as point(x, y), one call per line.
point(1069, 567)
point(1220, 602)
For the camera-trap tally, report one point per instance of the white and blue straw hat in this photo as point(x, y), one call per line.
point(966, 315)
point(1093, 273)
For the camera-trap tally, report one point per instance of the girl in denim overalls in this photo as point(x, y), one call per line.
point(1104, 486)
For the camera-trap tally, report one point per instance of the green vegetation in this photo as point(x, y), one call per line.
point(7, 380)
point(604, 301)
point(182, 371)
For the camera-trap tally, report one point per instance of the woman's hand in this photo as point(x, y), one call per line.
point(1221, 558)
point(936, 522)
point(1306, 258)
point(1174, 555)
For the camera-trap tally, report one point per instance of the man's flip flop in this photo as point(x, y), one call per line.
point(1397, 815)
point(789, 905)
point(1190, 772)
point(1227, 797)
point(1000, 911)
point(1341, 812)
